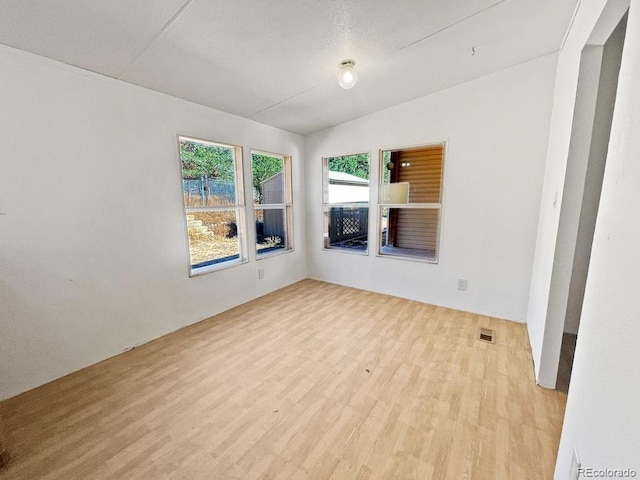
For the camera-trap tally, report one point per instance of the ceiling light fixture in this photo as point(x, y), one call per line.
point(347, 77)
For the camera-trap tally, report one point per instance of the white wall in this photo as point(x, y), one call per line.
point(496, 129)
point(602, 419)
point(92, 241)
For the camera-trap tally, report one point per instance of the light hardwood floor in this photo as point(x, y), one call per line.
point(314, 381)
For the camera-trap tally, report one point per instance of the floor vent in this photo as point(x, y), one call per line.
point(487, 335)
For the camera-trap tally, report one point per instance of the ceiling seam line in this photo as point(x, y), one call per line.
point(398, 50)
point(452, 25)
point(283, 100)
point(429, 93)
point(573, 18)
point(162, 31)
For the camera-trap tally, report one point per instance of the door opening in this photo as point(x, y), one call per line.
point(599, 70)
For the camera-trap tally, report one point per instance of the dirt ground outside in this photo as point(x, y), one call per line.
point(214, 247)
point(213, 235)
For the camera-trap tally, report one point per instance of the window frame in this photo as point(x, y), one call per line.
point(287, 206)
point(409, 205)
point(326, 205)
point(239, 207)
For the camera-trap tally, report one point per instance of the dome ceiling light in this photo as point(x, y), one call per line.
point(347, 77)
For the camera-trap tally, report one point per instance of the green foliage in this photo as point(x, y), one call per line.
point(357, 165)
point(263, 167)
point(209, 161)
point(386, 173)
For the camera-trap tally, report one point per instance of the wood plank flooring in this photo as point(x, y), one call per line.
point(314, 381)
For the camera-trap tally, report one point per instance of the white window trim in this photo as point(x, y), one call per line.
point(326, 205)
point(287, 206)
point(432, 206)
point(239, 207)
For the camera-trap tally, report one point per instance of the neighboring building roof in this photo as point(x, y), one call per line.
point(346, 178)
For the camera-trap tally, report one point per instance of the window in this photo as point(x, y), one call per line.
point(346, 202)
point(410, 202)
point(213, 204)
point(272, 202)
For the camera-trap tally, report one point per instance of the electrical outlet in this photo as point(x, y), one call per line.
point(574, 472)
point(462, 284)
point(260, 274)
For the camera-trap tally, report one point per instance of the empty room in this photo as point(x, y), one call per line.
point(319, 240)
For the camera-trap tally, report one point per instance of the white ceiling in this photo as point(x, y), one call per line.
point(277, 61)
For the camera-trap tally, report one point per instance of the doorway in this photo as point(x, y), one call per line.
point(595, 100)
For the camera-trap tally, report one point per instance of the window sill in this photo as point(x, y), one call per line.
point(408, 254)
point(350, 251)
point(216, 267)
point(273, 253)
